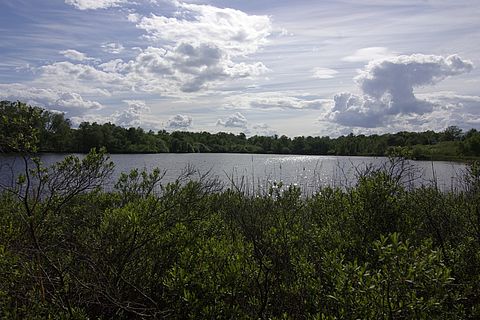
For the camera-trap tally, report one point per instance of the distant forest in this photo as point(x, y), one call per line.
point(57, 135)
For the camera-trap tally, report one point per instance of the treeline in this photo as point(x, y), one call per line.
point(186, 250)
point(57, 135)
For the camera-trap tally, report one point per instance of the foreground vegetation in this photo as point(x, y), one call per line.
point(56, 135)
point(190, 250)
point(196, 249)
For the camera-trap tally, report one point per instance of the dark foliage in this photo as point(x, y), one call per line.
point(56, 135)
point(186, 250)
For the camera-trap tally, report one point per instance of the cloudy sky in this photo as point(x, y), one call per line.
point(302, 67)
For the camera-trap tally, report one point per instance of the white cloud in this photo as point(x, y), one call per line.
point(112, 65)
point(214, 52)
point(324, 73)
point(137, 114)
point(185, 67)
point(388, 89)
point(369, 54)
point(449, 97)
point(134, 17)
point(201, 47)
point(449, 109)
point(236, 120)
point(400, 74)
point(68, 102)
point(199, 65)
point(82, 78)
point(201, 43)
point(179, 121)
point(274, 101)
point(132, 116)
point(113, 47)
point(358, 111)
point(232, 30)
point(262, 129)
point(137, 105)
point(94, 4)
point(74, 101)
point(75, 55)
point(467, 104)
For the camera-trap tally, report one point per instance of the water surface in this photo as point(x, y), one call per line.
point(250, 171)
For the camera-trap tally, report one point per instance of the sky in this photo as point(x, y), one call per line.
point(264, 67)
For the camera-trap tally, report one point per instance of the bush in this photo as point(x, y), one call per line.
point(189, 250)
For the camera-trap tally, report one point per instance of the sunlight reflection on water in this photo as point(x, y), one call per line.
point(260, 171)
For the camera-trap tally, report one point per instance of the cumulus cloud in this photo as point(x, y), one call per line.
point(187, 67)
point(113, 47)
point(179, 121)
point(68, 102)
point(232, 30)
point(94, 4)
point(142, 74)
point(388, 85)
point(236, 120)
point(131, 117)
point(201, 44)
point(239, 122)
point(134, 17)
point(324, 73)
point(204, 63)
point(198, 47)
point(201, 64)
point(153, 69)
point(369, 54)
point(75, 55)
point(111, 66)
point(136, 114)
point(262, 129)
point(81, 78)
point(140, 105)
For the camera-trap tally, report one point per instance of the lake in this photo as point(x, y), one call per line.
point(258, 171)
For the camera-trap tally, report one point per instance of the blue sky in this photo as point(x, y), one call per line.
point(260, 67)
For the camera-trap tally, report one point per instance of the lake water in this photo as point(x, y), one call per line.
point(259, 171)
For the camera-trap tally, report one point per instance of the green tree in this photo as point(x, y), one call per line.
point(452, 133)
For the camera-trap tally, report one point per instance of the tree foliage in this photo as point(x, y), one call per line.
point(145, 249)
point(53, 133)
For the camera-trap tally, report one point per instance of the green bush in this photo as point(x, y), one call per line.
point(189, 250)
